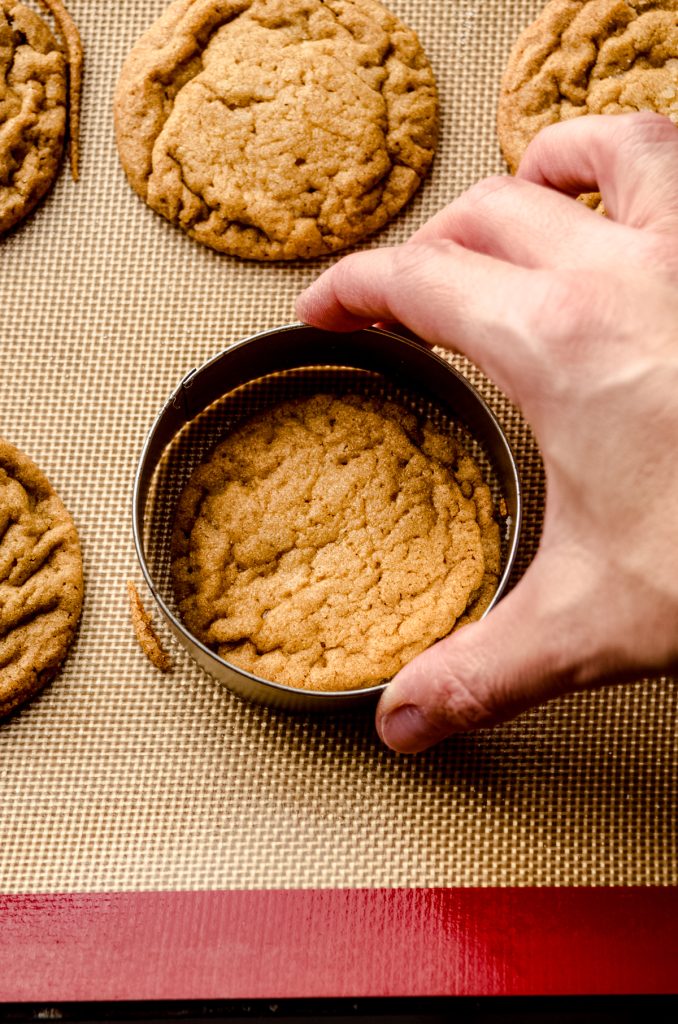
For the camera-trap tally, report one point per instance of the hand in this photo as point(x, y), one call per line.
point(575, 317)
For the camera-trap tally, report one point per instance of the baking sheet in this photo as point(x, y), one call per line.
point(120, 778)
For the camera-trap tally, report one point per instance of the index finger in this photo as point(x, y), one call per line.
point(449, 296)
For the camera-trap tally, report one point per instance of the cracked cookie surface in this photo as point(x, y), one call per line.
point(41, 584)
point(589, 57)
point(33, 107)
point(276, 129)
point(328, 541)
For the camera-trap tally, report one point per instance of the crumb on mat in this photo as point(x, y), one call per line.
point(145, 633)
point(74, 57)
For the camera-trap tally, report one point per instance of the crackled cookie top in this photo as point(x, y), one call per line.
point(275, 129)
point(589, 57)
point(33, 83)
point(328, 541)
point(40, 579)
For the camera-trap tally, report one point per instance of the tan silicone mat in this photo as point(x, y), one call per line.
point(120, 778)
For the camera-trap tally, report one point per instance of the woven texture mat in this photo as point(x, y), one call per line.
point(120, 778)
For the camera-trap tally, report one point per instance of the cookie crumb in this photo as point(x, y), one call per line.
point(145, 633)
point(74, 56)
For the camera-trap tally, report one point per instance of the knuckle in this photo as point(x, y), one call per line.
point(341, 274)
point(461, 694)
point(407, 275)
point(347, 268)
point(409, 257)
point(411, 262)
point(646, 125)
point(347, 277)
point(484, 191)
point(641, 135)
point(465, 707)
point(480, 205)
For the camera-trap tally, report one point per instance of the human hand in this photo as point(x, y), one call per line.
point(575, 317)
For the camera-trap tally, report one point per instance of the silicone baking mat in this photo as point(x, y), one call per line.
point(119, 778)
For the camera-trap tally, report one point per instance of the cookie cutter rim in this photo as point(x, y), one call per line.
point(404, 359)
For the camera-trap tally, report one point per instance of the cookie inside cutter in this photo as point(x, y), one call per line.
point(276, 366)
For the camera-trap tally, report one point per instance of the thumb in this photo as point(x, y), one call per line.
point(531, 647)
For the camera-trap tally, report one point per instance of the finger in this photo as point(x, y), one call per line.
point(445, 294)
point(526, 224)
point(533, 646)
point(632, 159)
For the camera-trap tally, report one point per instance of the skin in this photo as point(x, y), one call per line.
point(575, 317)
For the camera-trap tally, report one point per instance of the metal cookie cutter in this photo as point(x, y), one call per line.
point(404, 365)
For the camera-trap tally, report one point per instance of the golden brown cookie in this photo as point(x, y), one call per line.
point(41, 584)
point(32, 111)
point(276, 129)
point(589, 57)
point(328, 541)
point(33, 105)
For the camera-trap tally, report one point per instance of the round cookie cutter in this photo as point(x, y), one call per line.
point(268, 364)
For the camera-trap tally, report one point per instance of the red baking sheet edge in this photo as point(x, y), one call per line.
point(294, 944)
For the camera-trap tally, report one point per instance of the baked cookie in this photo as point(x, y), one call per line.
point(328, 541)
point(276, 129)
point(40, 579)
point(33, 105)
point(589, 57)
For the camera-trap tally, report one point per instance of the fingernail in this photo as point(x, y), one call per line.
point(406, 729)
